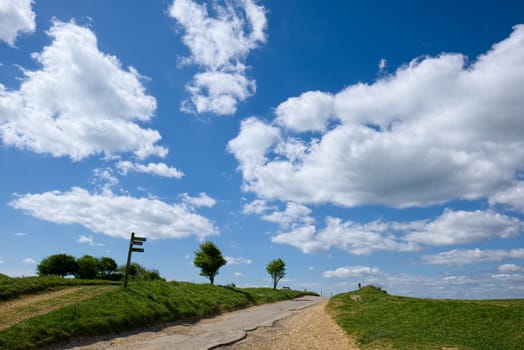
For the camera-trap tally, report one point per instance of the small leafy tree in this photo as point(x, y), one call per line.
point(88, 267)
point(58, 264)
point(209, 259)
point(277, 270)
point(107, 267)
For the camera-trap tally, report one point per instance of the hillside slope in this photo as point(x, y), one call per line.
point(379, 320)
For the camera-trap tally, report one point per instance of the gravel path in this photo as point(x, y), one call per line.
point(311, 328)
point(295, 324)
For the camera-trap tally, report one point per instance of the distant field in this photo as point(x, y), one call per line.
point(36, 312)
point(381, 321)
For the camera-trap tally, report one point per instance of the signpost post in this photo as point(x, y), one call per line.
point(135, 240)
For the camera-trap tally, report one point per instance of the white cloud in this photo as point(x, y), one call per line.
point(80, 103)
point(257, 206)
point(203, 200)
point(82, 239)
point(352, 237)
point(21, 234)
point(351, 271)
point(450, 228)
point(237, 261)
point(29, 261)
point(239, 274)
point(510, 268)
point(16, 16)
point(219, 43)
point(114, 215)
point(309, 112)
point(294, 213)
point(459, 227)
point(513, 197)
point(457, 257)
point(1, 260)
point(437, 129)
point(382, 64)
point(158, 169)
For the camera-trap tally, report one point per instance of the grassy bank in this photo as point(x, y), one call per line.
point(381, 321)
point(142, 304)
point(11, 288)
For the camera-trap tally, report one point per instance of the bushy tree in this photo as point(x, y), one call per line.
point(139, 273)
point(209, 259)
point(277, 270)
point(88, 267)
point(107, 267)
point(58, 264)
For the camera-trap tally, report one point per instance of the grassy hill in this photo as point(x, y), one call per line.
point(380, 321)
point(66, 309)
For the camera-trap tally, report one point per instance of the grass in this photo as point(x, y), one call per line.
point(11, 288)
point(143, 304)
point(392, 322)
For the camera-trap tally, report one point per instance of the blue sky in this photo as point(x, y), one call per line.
point(359, 142)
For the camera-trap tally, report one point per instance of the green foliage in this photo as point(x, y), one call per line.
point(277, 270)
point(378, 320)
point(139, 273)
point(106, 267)
point(142, 304)
point(209, 259)
point(87, 267)
point(59, 264)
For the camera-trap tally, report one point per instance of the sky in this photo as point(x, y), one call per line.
point(361, 142)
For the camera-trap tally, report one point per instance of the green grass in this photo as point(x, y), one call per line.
point(142, 304)
point(392, 322)
point(11, 288)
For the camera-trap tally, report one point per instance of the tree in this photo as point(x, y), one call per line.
point(88, 267)
point(138, 272)
point(277, 270)
point(209, 259)
point(107, 267)
point(58, 264)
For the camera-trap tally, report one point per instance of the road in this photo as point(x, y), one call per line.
point(208, 333)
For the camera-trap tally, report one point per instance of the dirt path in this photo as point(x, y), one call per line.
point(14, 311)
point(295, 324)
point(311, 328)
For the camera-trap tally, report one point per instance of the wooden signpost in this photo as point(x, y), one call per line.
point(135, 240)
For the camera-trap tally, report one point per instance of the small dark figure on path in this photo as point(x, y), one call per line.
point(359, 286)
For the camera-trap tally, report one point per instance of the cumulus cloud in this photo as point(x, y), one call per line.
point(16, 17)
point(459, 227)
point(257, 206)
point(450, 228)
point(457, 257)
point(219, 39)
point(203, 200)
point(512, 197)
point(294, 213)
point(29, 261)
point(83, 239)
point(353, 237)
point(510, 268)
point(237, 261)
point(158, 169)
point(437, 129)
point(351, 271)
point(115, 215)
point(80, 103)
